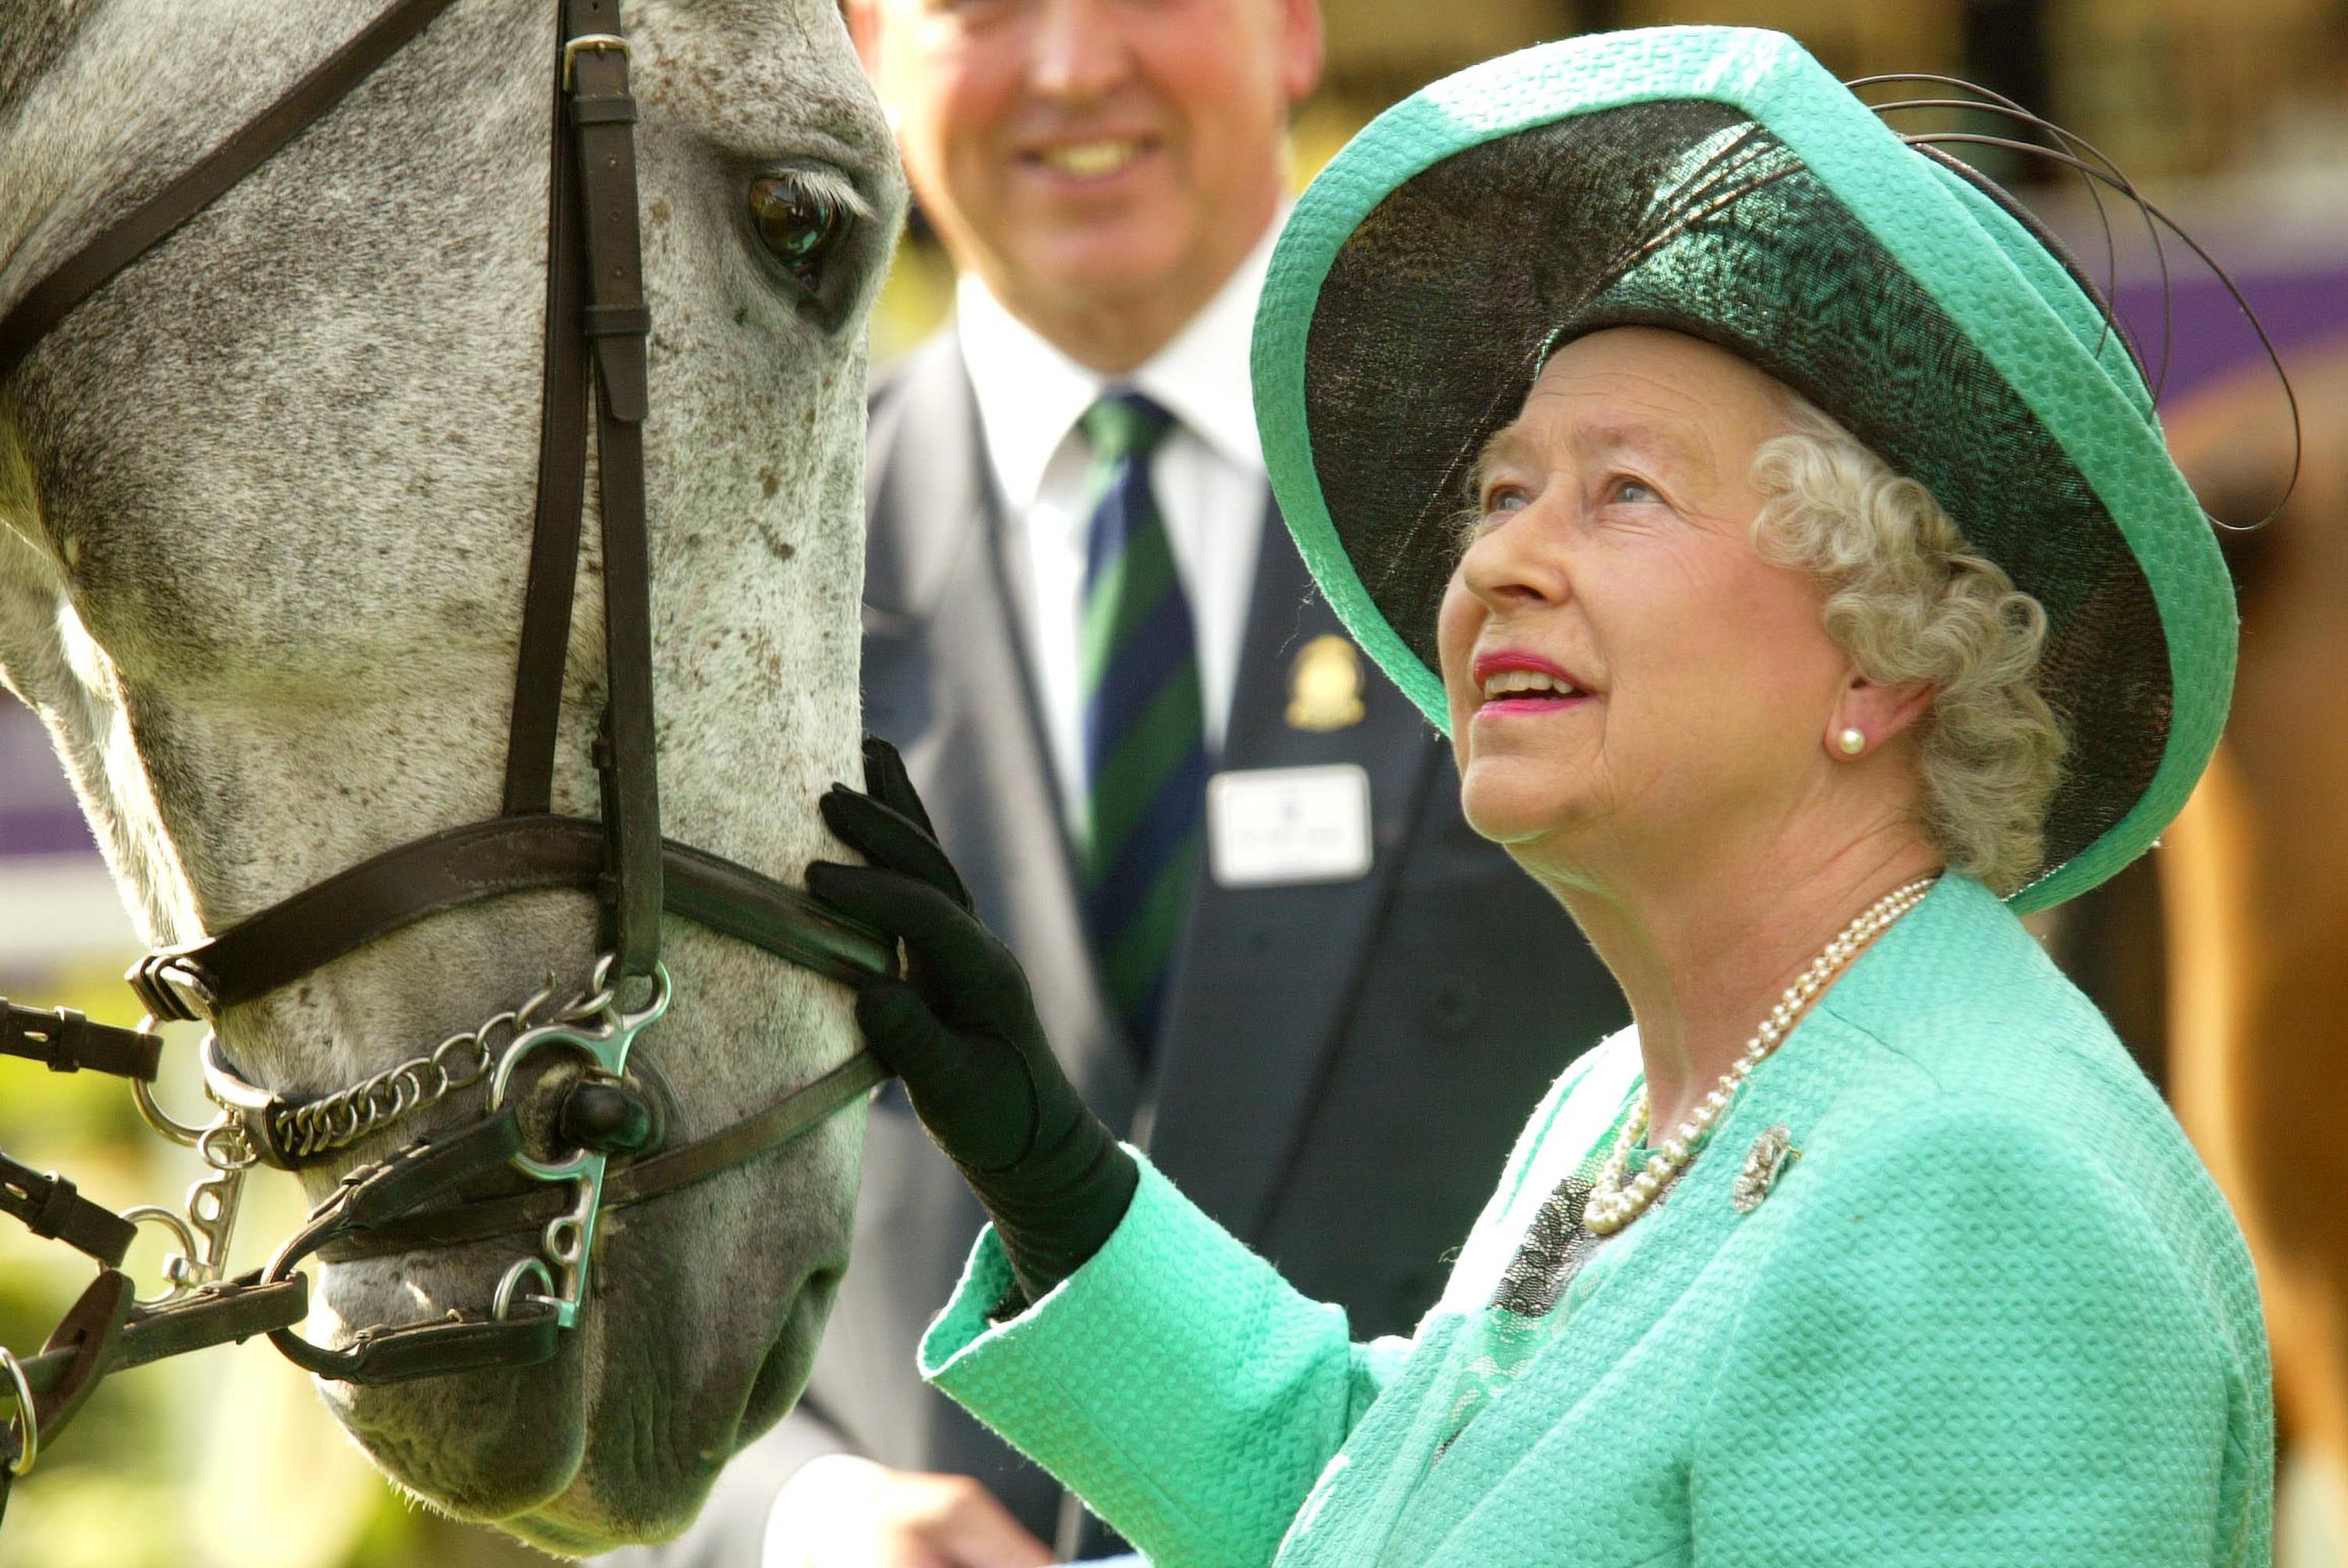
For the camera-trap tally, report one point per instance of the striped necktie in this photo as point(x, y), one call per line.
point(1144, 745)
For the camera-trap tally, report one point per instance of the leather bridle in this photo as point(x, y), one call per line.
point(430, 1193)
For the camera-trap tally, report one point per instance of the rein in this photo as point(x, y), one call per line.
point(441, 1190)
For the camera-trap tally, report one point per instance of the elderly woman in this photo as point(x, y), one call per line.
point(1810, 592)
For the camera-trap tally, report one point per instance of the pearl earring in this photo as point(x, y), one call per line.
point(1852, 741)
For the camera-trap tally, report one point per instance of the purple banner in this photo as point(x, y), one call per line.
point(38, 814)
point(2209, 336)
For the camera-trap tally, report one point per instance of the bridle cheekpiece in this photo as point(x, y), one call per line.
point(486, 1179)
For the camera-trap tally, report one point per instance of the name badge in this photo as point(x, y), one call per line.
point(1272, 826)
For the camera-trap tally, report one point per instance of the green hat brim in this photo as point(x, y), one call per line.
point(2141, 659)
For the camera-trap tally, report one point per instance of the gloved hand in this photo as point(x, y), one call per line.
point(960, 1030)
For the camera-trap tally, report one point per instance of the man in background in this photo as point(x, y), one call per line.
point(1320, 1002)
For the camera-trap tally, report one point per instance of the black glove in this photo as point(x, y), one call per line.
point(960, 1030)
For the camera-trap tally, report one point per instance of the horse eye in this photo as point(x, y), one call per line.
point(799, 226)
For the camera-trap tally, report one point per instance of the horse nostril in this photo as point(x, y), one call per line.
point(606, 1118)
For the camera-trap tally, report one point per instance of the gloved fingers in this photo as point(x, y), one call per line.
point(887, 837)
point(902, 1030)
point(886, 781)
point(955, 960)
point(979, 1104)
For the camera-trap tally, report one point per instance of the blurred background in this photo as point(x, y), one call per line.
point(2221, 958)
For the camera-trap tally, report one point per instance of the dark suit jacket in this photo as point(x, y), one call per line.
point(1343, 1066)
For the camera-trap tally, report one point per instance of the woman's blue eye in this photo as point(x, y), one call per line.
point(1634, 490)
point(1506, 499)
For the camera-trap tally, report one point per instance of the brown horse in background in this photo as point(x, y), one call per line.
point(2253, 891)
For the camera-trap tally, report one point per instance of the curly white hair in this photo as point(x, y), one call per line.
point(1909, 603)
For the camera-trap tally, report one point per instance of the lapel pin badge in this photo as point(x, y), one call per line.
point(1324, 686)
point(1764, 1164)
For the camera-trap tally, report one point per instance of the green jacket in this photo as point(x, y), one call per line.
point(1995, 1313)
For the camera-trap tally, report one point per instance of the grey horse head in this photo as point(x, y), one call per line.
point(264, 506)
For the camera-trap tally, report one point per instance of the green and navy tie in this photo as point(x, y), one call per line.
point(1144, 744)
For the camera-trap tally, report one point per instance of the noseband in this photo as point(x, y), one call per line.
point(488, 1180)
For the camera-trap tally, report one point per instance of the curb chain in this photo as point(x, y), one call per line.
point(459, 1061)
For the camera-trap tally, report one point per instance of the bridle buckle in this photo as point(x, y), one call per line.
point(172, 987)
point(601, 43)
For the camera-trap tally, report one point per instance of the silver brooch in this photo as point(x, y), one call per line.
point(1770, 1154)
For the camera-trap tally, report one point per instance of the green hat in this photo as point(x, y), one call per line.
point(1718, 181)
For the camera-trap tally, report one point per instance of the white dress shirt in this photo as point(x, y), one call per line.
point(1208, 473)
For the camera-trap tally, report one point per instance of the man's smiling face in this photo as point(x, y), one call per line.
point(1093, 156)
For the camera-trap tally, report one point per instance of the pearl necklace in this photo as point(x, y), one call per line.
point(1614, 1203)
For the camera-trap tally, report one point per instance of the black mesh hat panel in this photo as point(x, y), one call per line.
point(1439, 312)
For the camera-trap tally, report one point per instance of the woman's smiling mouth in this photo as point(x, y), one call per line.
point(1515, 684)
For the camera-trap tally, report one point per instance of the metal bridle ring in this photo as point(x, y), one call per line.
point(606, 999)
point(186, 1134)
point(148, 1213)
point(228, 1127)
point(28, 1415)
point(501, 1304)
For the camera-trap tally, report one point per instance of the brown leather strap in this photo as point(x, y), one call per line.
point(484, 1219)
point(379, 1194)
point(562, 485)
point(81, 1349)
point(602, 116)
point(460, 1342)
point(220, 1314)
point(53, 1208)
point(787, 1119)
point(353, 908)
point(86, 270)
point(777, 918)
point(64, 1040)
point(485, 860)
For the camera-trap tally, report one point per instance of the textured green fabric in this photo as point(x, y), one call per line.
point(1424, 276)
point(1996, 1313)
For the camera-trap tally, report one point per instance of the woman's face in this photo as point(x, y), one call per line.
point(1626, 676)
